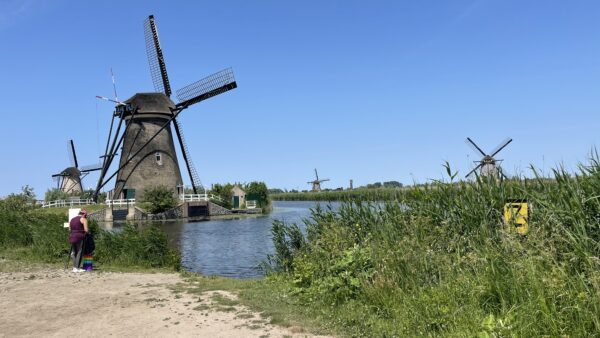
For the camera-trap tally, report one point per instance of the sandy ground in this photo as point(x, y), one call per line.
point(58, 303)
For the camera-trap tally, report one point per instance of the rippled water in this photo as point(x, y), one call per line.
point(234, 247)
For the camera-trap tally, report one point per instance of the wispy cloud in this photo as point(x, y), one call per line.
point(12, 10)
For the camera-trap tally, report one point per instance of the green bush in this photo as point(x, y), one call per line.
point(158, 199)
point(55, 194)
point(147, 247)
point(40, 236)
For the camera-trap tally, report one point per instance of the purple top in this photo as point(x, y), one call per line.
point(77, 230)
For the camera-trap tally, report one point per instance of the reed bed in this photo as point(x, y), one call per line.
point(359, 194)
point(439, 261)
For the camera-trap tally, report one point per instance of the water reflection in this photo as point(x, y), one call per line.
point(233, 247)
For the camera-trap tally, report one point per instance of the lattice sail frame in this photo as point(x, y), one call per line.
point(156, 60)
point(207, 87)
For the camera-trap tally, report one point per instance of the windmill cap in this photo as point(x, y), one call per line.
point(152, 104)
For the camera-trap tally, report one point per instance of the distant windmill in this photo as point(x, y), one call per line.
point(316, 184)
point(69, 180)
point(488, 162)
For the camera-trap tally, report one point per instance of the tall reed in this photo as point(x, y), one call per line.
point(438, 260)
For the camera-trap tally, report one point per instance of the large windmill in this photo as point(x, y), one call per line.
point(69, 180)
point(148, 156)
point(487, 162)
point(316, 183)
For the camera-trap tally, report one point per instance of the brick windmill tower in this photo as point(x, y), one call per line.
point(148, 157)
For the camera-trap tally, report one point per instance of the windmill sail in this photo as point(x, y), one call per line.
point(474, 146)
point(72, 154)
point(91, 167)
point(501, 146)
point(212, 85)
point(158, 69)
point(194, 177)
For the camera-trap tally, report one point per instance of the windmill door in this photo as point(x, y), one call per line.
point(129, 193)
point(236, 202)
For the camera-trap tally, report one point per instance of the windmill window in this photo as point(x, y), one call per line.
point(158, 158)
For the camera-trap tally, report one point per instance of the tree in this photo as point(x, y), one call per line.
point(258, 191)
point(24, 200)
point(392, 184)
point(375, 185)
point(55, 195)
point(158, 199)
point(28, 194)
point(224, 192)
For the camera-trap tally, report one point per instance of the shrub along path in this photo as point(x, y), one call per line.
point(43, 301)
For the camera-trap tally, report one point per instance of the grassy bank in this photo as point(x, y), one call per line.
point(438, 261)
point(63, 211)
point(435, 261)
point(32, 234)
point(265, 296)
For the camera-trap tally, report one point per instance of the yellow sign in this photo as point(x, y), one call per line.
point(516, 215)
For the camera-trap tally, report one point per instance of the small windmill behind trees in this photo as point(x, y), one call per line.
point(488, 162)
point(316, 184)
point(148, 156)
point(69, 180)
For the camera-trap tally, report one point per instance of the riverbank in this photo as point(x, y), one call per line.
point(45, 300)
point(454, 259)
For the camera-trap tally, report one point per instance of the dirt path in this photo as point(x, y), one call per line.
point(56, 303)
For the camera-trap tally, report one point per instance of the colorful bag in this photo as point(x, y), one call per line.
point(88, 262)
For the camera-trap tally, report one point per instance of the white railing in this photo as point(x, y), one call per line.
point(251, 204)
point(120, 202)
point(193, 197)
point(67, 203)
point(198, 197)
point(216, 197)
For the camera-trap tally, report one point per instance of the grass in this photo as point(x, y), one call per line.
point(264, 296)
point(35, 235)
point(438, 261)
point(20, 259)
point(221, 300)
point(63, 211)
point(433, 261)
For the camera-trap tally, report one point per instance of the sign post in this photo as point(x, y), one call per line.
point(516, 216)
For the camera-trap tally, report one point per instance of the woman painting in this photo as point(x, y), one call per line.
point(79, 228)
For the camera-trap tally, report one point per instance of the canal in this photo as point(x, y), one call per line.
point(233, 247)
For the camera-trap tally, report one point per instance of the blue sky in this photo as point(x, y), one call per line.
point(369, 91)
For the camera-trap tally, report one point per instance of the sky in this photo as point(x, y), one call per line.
point(365, 90)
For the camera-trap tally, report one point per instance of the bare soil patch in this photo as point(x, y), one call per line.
point(51, 302)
